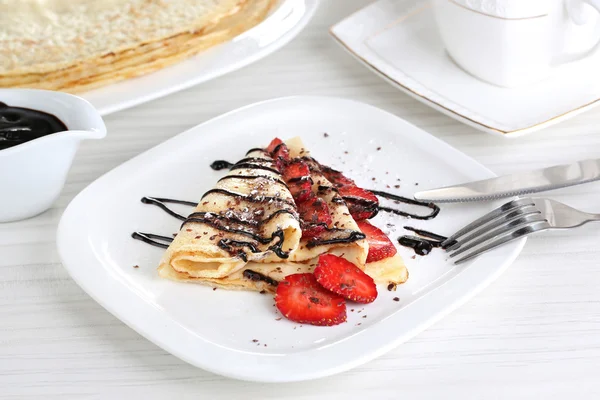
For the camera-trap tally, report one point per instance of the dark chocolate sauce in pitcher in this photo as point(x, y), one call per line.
point(20, 125)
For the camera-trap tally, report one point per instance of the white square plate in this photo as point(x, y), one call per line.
point(399, 40)
point(214, 330)
point(286, 20)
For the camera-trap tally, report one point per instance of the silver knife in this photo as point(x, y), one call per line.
point(540, 180)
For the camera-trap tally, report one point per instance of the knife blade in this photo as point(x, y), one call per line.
point(540, 180)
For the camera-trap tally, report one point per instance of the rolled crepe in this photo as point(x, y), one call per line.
point(249, 215)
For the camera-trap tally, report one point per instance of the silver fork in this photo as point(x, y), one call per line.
point(511, 221)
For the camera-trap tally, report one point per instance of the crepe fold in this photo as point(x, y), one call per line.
point(83, 44)
point(248, 216)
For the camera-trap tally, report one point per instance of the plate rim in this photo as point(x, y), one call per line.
point(186, 338)
point(451, 112)
point(308, 9)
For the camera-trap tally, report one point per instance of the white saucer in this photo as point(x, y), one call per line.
point(398, 39)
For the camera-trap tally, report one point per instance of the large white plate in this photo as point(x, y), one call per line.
point(214, 330)
point(282, 25)
point(399, 40)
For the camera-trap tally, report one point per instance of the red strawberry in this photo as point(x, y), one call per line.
point(280, 153)
point(300, 298)
point(361, 203)
point(314, 216)
point(336, 177)
point(380, 246)
point(344, 278)
point(274, 143)
point(297, 175)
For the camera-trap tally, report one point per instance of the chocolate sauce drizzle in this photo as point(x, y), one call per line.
point(221, 164)
point(254, 166)
point(149, 238)
point(421, 245)
point(160, 202)
point(251, 199)
point(267, 177)
point(435, 210)
point(257, 276)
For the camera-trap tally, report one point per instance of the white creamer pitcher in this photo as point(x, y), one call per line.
point(32, 174)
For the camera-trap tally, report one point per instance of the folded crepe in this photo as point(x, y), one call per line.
point(248, 216)
point(76, 45)
point(214, 252)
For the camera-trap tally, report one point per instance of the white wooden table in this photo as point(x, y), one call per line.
point(535, 332)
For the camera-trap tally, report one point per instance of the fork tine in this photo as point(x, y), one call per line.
point(504, 238)
point(488, 217)
point(509, 226)
point(494, 223)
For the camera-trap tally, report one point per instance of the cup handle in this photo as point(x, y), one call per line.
point(577, 13)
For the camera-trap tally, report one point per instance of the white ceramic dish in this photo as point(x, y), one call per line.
point(281, 26)
point(33, 173)
point(399, 40)
point(214, 330)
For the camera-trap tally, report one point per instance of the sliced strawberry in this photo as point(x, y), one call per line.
point(336, 177)
point(300, 298)
point(344, 278)
point(274, 143)
point(315, 217)
point(297, 176)
point(361, 203)
point(380, 246)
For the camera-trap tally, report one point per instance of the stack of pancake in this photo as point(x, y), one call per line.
point(78, 45)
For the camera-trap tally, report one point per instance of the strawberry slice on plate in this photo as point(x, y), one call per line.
point(344, 278)
point(380, 246)
point(300, 298)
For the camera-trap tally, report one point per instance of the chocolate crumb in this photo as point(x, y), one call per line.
point(197, 237)
point(205, 203)
point(364, 316)
point(174, 235)
point(214, 289)
point(391, 287)
point(278, 319)
point(345, 152)
point(262, 292)
point(414, 256)
point(254, 340)
point(265, 345)
point(416, 184)
point(397, 186)
point(188, 230)
point(396, 299)
point(212, 237)
point(379, 148)
point(387, 186)
point(359, 311)
point(373, 178)
point(136, 266)
point(398, 179)
point(326, 134)
point(358, 324)
point(352, 309)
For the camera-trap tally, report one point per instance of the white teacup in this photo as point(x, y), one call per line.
point(515, 42)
